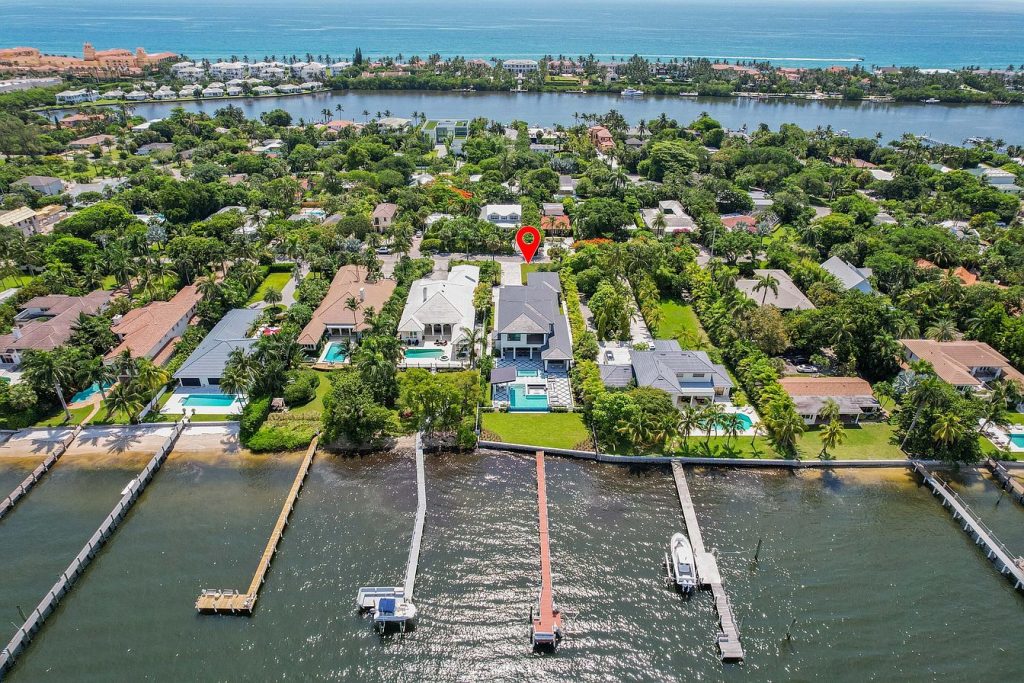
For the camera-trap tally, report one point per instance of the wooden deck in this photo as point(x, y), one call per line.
point(1007, 481)
point(1008, 565)
point(421, 515)
point(729, 647)
point(233, 602)
point(547, 623)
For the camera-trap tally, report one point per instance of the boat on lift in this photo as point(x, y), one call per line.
point(679, 561)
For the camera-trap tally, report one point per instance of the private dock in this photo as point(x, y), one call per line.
point(1008, 565)
point(230, 601)
point(393, 605)
point(1006, 480)
point(69, 576)
point(22, 489)
point(546, 628)
point(729, 647)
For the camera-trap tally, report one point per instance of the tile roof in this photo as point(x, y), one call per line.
point(826, 386)
point(46, 335)
point(348, 282)
point(141, 329)
point(953, 360)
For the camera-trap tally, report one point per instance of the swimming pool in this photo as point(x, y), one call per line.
point(745, 421)
point(335, 353)
point(90, 391)
point(208, 401)
point(520, 401)
point(424, 353)
point(1017, 439)
point(528, 373)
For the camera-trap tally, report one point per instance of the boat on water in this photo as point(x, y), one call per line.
point(388, 607)
point(680, 563)
point(931, 100)
point(632, 92)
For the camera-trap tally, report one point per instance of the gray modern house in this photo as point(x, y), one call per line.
point(205, 366)
point(689, 377)
point(531, 322)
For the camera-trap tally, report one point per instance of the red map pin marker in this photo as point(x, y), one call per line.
point(528, 248)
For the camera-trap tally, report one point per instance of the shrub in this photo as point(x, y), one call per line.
point(253, 416)
point(290, 436)
point(279, 267)
point(301, 388)
point(430, 246)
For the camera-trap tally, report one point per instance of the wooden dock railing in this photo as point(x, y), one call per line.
point(230, 601)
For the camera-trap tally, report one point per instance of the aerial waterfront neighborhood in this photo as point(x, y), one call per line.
point(701, 297)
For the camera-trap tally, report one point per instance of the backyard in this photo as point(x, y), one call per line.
point(554, 430)
point(275, 281)
point(679, 322)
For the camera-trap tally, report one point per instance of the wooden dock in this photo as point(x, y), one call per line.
point(547, 623)
point(1007, 481)
point(231, 601)
point(421, 516)
point(729, 647)
point(1007, 564)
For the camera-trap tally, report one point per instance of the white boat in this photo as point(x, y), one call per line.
point(387, 605)
point(681, 567)
point(931, 100)
point(632, 92)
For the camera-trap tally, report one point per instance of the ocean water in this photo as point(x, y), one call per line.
point(927, 33)
point(879, 579)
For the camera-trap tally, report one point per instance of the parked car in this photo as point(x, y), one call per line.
point(383, 250)
point(807, 369)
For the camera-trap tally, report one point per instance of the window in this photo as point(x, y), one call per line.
point(698, 375)
point(190, 382)
point(213, 381)
point(513, 337)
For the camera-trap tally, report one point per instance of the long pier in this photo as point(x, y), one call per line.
point(547, 624)
point(391, 604)
point(1006, 480)
point(215, 601)
point(729, 647)
point(92, 547)
point(1009, 566)
point(22, 489)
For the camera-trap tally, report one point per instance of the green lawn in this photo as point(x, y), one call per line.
point(1016, 418)
point(554, 430)
point(316, 406)
point(57, 419)
point(525, 268)
point(109, 283)
point(869, 441)
point(15, 281)
point(679, 321)
point(273, 281)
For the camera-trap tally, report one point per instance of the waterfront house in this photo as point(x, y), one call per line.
point(115, 94)
point(502, 215)
point(189, 91)
point(46, 322)
point(205, 366)
point(1002, 180)
point(848, 275)
point(165, 93)
point(676, 219)
point(288, 89)
point(229, 70)
point(852, 396)
point(43, 184)
point(211, 91)
point(76, 96)
point(437, 310)
point(601, 138)
point(101, 141)
point(262, 90)
point(964, 364)
point(22, 219)
point(689, 377)
point(788, 298)
point(394, 123)
point(520, 67)
point(530, 322)
point(383, 216)
point(152, 331)
point(334, 318)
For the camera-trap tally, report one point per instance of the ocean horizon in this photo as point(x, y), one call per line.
point(924, 33)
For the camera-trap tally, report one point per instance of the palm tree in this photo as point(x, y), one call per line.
point(731, 424)
point(150, 376)
point(941, 330)
point(686, 422)
point(948, 427)
point(659, 223)
point(764, 283)
point(239, 373)
point(125, 398)
point(924, 393)
point(832, 434)
point(472, 337)
point(829, 411)
point(50, 368)
point(272, 297)
point(711, 418)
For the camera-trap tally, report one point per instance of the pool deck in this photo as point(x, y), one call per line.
point(176, 403)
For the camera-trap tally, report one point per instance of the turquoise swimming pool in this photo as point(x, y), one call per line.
point(424, 353)
point(521, 402)
point(745, 421)
point(208, 401)
point(90, 391)
point(528, 373)
point(335, 353)
point(1017, 439)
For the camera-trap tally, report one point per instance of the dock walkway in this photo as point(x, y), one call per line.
point(547, 624)
point(67, 579)
point(421, 515)
point(233, 602)
point(1008, 565)
point(22, 489)
point(729, 646)
point(1006, 480)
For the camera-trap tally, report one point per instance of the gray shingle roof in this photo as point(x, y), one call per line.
point(210, 357)
point(788, 298)
point(535, 308)
point(848, 275)
point(661, 368)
